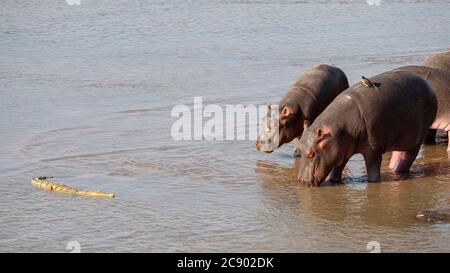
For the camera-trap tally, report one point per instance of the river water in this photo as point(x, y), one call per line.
point(86, 93)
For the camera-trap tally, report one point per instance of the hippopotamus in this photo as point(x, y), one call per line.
point(439, 80)
point(440, 215)
point(304, 100)
point(439, 60)
point(392, 115)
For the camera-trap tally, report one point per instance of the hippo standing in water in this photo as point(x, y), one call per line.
point(305, 99)
point(439, 60)
point(439, 80)
point(394, 115)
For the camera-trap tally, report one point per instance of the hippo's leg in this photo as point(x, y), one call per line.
point(373, 165)
point(336, 174)
point(401, 161)
point(448, 147)
point(430, 138)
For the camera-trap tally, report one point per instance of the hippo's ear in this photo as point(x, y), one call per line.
point(286, 113)
point(306, 125)
point(319, 133)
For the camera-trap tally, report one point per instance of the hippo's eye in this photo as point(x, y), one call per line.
point(310, 154)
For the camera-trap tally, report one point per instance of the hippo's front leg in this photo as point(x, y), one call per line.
point(335, 175)
point(430, 138)
point(373, 165)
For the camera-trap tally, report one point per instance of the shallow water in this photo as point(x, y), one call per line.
point(86, 93)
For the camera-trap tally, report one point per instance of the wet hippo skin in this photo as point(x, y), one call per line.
point(440, 82)
point(304, 100)
point(439, 60)
point(369, 121)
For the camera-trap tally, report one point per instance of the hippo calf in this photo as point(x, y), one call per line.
point(439, 60)
point(439, 80)
point(304, 100)
point(394, 116)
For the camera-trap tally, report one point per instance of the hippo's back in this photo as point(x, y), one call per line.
point(403, 103)
point(323, 80)
point(439, 60)
point(315, 89)
point(440, 83)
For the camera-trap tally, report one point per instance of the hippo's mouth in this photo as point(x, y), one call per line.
point(263, 147)
point(314, 179)
point(266, 145)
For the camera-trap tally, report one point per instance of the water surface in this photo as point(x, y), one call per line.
point(86, 93)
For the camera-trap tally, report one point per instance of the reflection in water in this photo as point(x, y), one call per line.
point(355, 211)
point(393, 202)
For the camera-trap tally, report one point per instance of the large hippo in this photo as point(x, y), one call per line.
point(304, 100)
point(440, 82)
point(392, 114)
point(439, 60)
